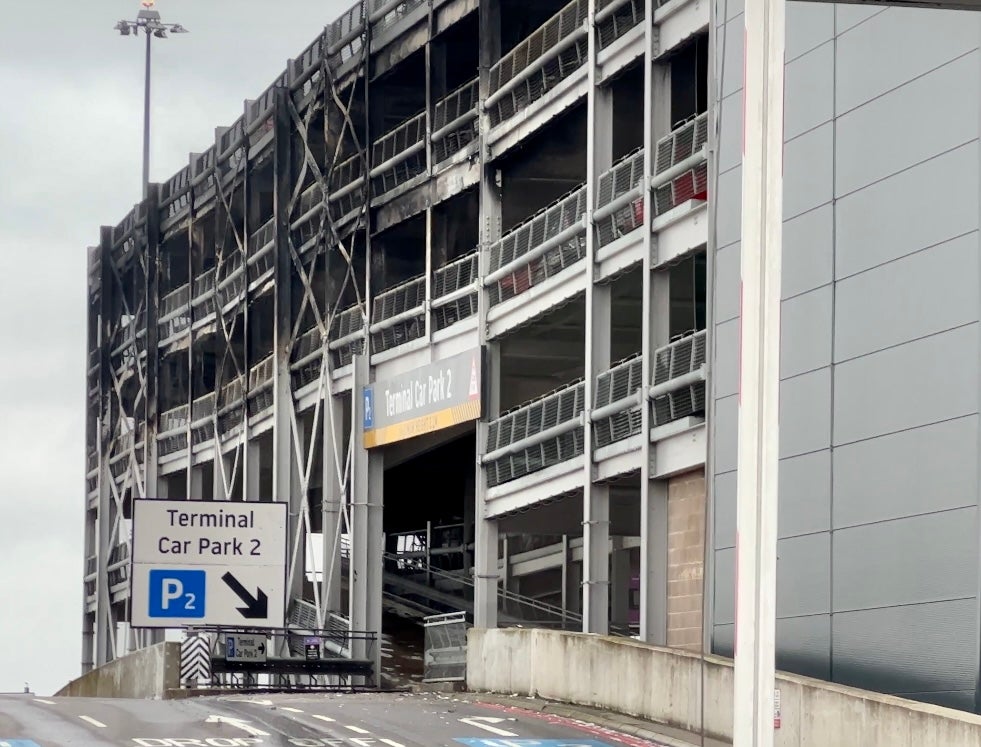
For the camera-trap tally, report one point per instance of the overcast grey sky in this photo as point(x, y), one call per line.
point(70, 144)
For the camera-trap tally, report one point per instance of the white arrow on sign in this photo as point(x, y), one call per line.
point(484, 722)
point(240, 723)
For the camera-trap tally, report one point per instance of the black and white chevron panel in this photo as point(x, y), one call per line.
point(195, 661)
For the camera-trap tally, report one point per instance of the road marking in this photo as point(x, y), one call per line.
point(484, 722)
point(357, 729)
point(93, 721)
point(328, 719)
point(239, 723)
point(42, 700)
point(391, 743)
point(291, 710)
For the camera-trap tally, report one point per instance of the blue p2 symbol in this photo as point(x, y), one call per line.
point(177, 593)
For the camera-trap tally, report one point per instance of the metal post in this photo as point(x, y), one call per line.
point(760, 268)
point(146, 119)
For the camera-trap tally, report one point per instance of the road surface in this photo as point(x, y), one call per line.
point(308, 720)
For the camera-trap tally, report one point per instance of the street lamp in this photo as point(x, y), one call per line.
point(148, 20)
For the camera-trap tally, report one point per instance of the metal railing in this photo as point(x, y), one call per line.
point(203, 293)
point(347, 335)
point(344, 38)
point(260, 390)
point(231, 408)
point(681, 166)
point(398, 315)
point(455, 121)
point(261, 257)
point(679, 379)
point(537, 435)
point(175, 194)
point(230, 278)
point(455, 290)
point(544, 245)
point(174, 419)
point(307, 358)
point(384, 14)
point(445, 658)
point(620, 198)
point(538, 63)
point(617, 407)
point(400, 155)
point(346, 186)
point(306, 226)
point(614, 18)
point(202, 423)
point(175, 313)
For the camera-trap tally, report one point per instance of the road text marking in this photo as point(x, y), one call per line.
point(239, 723)
point(391, 743)
point(357, 730)
point(93, 721)
point(328, 719)
point(210, 742)
point(291, 710)
point(42, 700)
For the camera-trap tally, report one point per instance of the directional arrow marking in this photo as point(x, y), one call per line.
point(484, 722)
point(240, 723)
point(255, 607)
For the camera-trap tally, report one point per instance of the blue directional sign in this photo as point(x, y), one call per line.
point(17, 743)
point(177, 593)
point(369, 408)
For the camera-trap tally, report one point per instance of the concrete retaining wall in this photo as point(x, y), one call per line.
point(147, 673)
point(665, 686)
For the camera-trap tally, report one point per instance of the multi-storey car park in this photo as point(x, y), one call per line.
point(531, 180)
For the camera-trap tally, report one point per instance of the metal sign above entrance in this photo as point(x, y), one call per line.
point(199, 563)
point(428, 399)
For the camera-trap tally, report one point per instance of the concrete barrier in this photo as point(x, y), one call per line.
point(666, 686)
point(147, 673)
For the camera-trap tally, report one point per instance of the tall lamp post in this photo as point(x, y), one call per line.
point(148, 21)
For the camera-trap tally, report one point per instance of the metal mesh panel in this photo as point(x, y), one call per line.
point(625, 175)
point(307, 358)
point(670, 362)
point(175, 195)
point(408, 296)
point(393, 16)
point(445, 647)
point(534, 232)
point(230, 278)
point(175, 313)
point(620, 382)
point(339, 55)
point(260, 386)
point(393, 144)
point(461, 102)
point(346, 323)
point(683, 143)
point(620, 22)
point(345, 173)
point(202, 411)
point(306, 225)
point(450, 278)
point(529, 420)
point(528, 53)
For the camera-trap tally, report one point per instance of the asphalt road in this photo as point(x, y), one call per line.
point(311, 720)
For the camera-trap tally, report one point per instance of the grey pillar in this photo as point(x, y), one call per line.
point(367, 529)
point(619, 583)
point(335, 448)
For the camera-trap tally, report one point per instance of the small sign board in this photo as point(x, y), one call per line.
point(427, 399)
point(777, 719)
point(201, 563)
point(311, 648)
point(245, 647)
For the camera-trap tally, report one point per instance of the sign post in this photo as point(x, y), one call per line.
point(203, 563)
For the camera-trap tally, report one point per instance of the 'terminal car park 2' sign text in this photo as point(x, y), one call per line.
point(206, 563)
point(430, 398)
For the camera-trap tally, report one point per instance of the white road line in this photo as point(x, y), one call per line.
point(42, 700)
point(291, 710)
point(323, 718)
point(391, 743)
point(357, 729)
point(93, 721)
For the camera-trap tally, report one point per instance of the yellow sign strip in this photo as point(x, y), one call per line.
point(423, 424)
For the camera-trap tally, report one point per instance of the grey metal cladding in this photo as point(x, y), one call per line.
point(808, 251)
point(729, 55)
point(848, 16)
point(808, 26)
point(811, 79)
point(725, 375)
point(731, 132)
point(933, 468)
point(805, 494)
point(726, 434)
point(917, 42)
point(727, 288)
point(901, 128)
point(727, 10)
point(918, 295)
point(808, 171)
point(805, 413)
point(803, 644)
point(804, 575)
point(921, 382)
point(725, 586)
point(914, 560)
point(913, 648)
point(728, 211)
point(908, 211)
point(805, 332)
point(724, 510)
